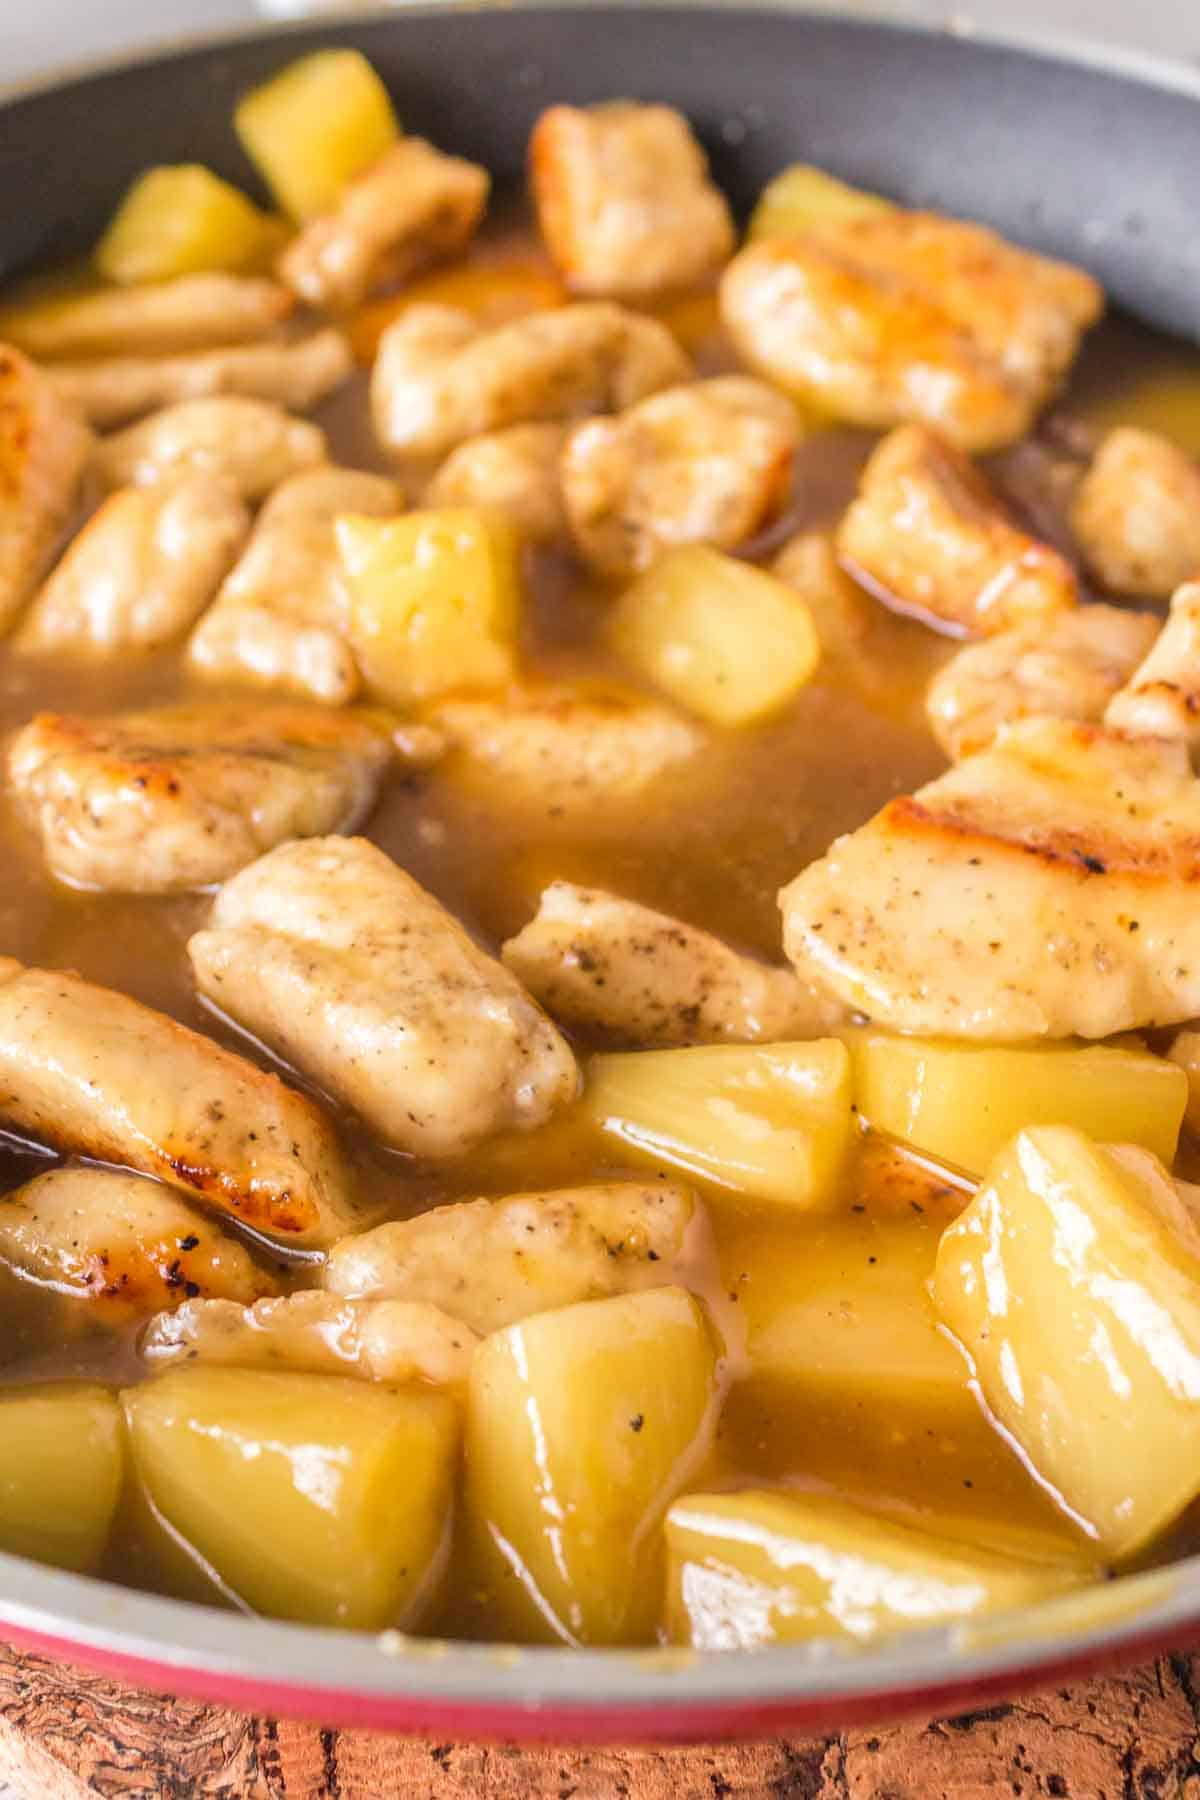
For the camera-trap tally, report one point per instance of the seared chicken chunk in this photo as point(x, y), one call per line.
point(440, 378)
point(893, 316)
point(141, 570)
point(281, 617)
point(515, 472)
point(1065, 667)
point(183, 796)
point(410, 207)
point(92, 1072)
point(249, 443)
point(1044, 888)
point(928, 530)
point(624, 198)
point(1162, 697)
point(397, 1341)
point(193, 312)
point(643, 978)
point(124, 1244)
point(340, 962)
point(1137, 514)
point(707, 463)
point(295, 374)
point(492, 1262)
point(44, 450)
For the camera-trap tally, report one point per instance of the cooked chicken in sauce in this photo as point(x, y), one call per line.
point(536, 968)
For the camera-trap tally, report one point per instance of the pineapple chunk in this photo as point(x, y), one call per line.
point(181, 220)
point(435, 600)
point(772, 1120)
point(727, 641)
point(63, 1469)
point(1073, 1283)
point(582, 1426)
point(312, 1497)
point(963, 1102)
point(315, 126)
point(757, 1568)
point(802, 198)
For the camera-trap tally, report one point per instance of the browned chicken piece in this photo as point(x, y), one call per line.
point(296, 374)
point(904, 316)
point(492, 1262)
point(440, 378)
point(1137, 514)
point(411, 207)
point(251, 444)
point(338, 960)
point(1161, 698)
point(94, 1073)
point(141, 571)
point(281, 617)
point(181, 797)
point(624, 199)
point(929, 531)
point(1046, 887)
point(191, 312)
point(516, 472)
point(1065, 667)
point(44, 451)
point(645, 979)
point(125, 1245)
point(707, 463)
point(397, 1341)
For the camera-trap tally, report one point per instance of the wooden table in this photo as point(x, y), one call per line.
point(66, 1734)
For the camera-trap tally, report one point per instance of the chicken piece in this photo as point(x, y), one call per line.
point(568, 749)
point(193, 312)
point(928, 530)
point(281, 617)
point(397, 1341)
point(181, 797)
point(411, 207)
point(44, 450)
point(1161, 698)
point(643, 978)
point(341, 963)
point(515, 472)
point(707, 463)
point(251, 444)
point(94, 1073)
point(1044, 888)
point(125, 1245)
point(624, 199)
point(492, 1262)
point(295, 374)
point(895, 316)
point(141, 570)
point(1137, 514)
point(1065, 667)
point(440, 377)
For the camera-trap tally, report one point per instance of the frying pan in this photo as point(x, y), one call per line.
point(1069, 151)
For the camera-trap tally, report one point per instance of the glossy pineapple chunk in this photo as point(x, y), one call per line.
point(582, 1426)
point(963, 1102)
point(312, 1497)
point(802, 198)
point(62, 1465)
point(772, 1121)
point(181, 220)
point(315, 126)
point(727, 641)
point(1073, 1283)
point(757, 1568)
point(435, 600)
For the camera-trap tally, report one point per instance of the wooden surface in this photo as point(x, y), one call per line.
point(65, 1734)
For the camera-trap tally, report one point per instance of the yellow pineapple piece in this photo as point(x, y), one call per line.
point(181, 220)
point(315, 126)
point(62, 1452)
point(802, 198)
